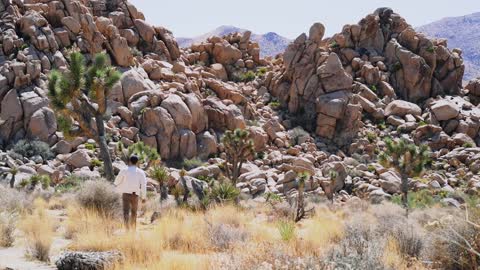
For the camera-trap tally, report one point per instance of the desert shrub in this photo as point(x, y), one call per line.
point(224, 192)
point(14, 201)
point(297, 133)
point(371, 136)
point(96, 163)
point(224, 236)
point(38, 228)
point(28, 149)
point(7, 228)
point(407, 234)
point(360, 248)
point(99, 195)
point(275, 104)
point(286, 228)
point(261, 71)
point(35, 180)
point(69, 183)
point(418, 200)
point(193, 163)
point(468, 145)
point(248, 76)
point(159, 173)
point(456, 244)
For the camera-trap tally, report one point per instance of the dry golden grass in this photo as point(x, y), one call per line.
point(38, 228)
point(321, 231)
point(184, 239)
point(171, 260)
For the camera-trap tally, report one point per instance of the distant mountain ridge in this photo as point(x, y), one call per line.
point(271, 43)
point(462, 32)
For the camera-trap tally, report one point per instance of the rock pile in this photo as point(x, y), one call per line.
point(324, 106)
point(331, 81)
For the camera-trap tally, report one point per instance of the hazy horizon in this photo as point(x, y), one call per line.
point(188, 18)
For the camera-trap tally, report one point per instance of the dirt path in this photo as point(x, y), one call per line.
point(14, 257)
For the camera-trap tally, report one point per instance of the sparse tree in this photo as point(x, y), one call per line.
point(300, 212)
point(238, 148)
point(79, 97)
point(408, 159)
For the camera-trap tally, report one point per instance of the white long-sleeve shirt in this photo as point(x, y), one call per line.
point(130, 180)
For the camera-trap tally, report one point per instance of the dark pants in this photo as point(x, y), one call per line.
point(130, 206)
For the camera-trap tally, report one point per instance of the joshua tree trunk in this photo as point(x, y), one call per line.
point(104, 152)
point(300, 202)
point(186, 191)
point(404, 189)
point(12, 181)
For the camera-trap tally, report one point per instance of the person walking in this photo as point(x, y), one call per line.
point(132, 184)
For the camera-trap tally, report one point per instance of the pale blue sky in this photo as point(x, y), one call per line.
point(188, 18)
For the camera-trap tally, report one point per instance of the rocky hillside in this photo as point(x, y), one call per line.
point(270, 43)
point(326, 105)
point(461, 32)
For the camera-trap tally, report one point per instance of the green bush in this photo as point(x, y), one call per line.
point(193, 163)
point(224, 192)
point(261, 71)
point(90, 146)
point(96, 163)
point(33, 181)
point(373, 88)
point(159, 173)
point(275, 104)
point(69, 183)
point(286, 230)
point(468, 145)
point(248, 76)
point(371, 136)
point(420, 199)
point(28, 149)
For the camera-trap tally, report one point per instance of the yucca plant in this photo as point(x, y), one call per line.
point(79, 98)
point(224, 192)
point(13, 173)
point(408, 159)
point(147, 155)
point(238, 148)
point(160, 174)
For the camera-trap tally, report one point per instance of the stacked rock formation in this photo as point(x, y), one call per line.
point(354, 69)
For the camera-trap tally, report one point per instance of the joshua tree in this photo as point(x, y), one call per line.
point(79, 97)
point(160, 174)
point(300, 212)
point(407, 159)
point(13, 172)
point(238, 148)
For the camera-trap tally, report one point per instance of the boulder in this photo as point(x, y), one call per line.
point(402, 108)
point(445, 110)
point(178, 110)
point(226, 54)
point(79, 159)
point(88, 260)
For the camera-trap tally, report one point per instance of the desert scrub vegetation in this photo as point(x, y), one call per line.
point(38, 228)
point(7, 228)
point(30, 149)
point(99, 195)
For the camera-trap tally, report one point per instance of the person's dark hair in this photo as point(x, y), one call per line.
point(133, 160)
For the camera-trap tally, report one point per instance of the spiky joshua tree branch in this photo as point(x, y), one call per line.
point(408, 159)
point(79, 98)
point(238, 148)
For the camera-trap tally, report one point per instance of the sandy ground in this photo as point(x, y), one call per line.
point(14, 257)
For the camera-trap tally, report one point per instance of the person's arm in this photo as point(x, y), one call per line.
point(119, 180)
